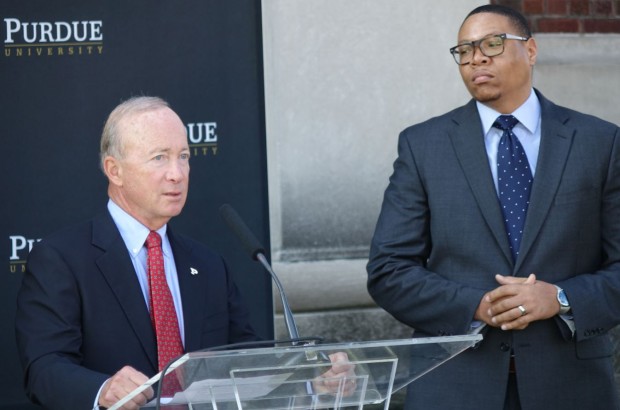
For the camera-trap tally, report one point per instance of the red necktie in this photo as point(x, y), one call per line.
point(163, 314)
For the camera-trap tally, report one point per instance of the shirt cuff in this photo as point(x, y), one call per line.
point(96, 404)
point(568, 319)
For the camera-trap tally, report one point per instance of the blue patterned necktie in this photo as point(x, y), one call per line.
point(514, 181)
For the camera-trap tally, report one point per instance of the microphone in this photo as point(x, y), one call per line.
point(257, 252)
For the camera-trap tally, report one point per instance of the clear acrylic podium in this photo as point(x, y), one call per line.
point(292, 376)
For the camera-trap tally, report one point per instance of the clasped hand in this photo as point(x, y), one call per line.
point(517, 302)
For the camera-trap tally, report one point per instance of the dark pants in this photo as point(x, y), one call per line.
point(512, 394)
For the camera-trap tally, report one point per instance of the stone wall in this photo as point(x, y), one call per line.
point(342, 78)
point(569, 16)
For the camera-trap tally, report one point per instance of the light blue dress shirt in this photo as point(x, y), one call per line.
point(134, 235)
point(527, 130)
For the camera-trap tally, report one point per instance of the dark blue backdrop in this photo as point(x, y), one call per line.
point(65, 64)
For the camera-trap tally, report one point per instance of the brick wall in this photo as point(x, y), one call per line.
point(569, 16)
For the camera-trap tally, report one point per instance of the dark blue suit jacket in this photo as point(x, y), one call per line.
point(81, 314)
point(440, 240)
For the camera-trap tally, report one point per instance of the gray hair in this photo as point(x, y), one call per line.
point(111, 141)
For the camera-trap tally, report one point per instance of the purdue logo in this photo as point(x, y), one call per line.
point(20, 247)
point(202, 138)
point(59, 38)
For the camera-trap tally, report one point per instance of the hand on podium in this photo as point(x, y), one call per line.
point(340, 376)
point(121, 384)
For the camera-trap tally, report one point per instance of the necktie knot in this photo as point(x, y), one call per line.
point(505, 122)
point(153, 240)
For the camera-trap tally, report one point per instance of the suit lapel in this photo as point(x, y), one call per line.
point(115, 265)
point(192, 293)
point(468, 143)
point(555, 142)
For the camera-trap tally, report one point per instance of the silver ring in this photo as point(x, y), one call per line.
point(522, 310)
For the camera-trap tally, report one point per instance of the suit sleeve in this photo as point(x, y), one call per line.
point(48, 331)
point(595, 296)
point(398, 278)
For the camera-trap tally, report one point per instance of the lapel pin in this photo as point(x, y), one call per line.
point(193, 271)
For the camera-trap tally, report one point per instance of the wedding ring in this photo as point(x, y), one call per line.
point(522, 310)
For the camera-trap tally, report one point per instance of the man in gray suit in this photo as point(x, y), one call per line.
point(541, 282)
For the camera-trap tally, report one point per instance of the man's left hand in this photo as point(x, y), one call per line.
point(519, 301)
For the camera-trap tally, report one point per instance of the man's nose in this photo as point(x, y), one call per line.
point(478, 56)
point(177, 170)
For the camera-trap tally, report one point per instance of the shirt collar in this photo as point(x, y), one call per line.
point(528, 114)
point(133, 232)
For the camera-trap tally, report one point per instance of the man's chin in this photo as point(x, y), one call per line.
point(174, 209)
point(485, 95)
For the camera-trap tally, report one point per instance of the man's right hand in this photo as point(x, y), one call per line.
point(483, 312)
point(121, 384)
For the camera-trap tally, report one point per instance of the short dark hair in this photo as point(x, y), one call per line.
point(516, 18)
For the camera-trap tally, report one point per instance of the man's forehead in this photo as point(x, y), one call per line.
point(150, 119)
point(148, 116)
point(483, 24)
point(150, 127)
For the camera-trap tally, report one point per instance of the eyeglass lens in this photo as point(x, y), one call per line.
point(490, 47)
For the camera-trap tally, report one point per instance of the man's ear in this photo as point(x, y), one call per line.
point(532, 50)
point(113, 170)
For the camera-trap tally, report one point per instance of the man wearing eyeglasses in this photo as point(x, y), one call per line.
point(503, 217)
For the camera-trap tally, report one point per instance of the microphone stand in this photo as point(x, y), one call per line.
point(288, 314)
point(257, 252)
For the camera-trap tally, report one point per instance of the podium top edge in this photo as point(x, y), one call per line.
point(467, 339)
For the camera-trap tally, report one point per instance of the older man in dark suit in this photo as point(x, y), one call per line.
point(108, 303)
point(84, 329)
point(503, 217)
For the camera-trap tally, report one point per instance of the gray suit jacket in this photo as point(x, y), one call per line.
point(440, 240)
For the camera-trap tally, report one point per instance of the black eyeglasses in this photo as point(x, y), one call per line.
point(489, 46)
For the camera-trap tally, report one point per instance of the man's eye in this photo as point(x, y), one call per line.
point(494, 43)
point(158, 157)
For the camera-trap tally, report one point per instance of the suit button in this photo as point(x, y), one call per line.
point(504, 347)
